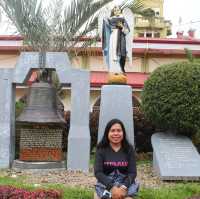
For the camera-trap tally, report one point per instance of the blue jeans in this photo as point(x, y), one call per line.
point(117, 179)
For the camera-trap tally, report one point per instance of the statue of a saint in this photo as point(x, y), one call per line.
point(115, 29)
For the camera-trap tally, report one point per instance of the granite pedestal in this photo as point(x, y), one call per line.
point(116, 102)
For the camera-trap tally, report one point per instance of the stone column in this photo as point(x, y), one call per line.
point(79, 135)
point(7, 113)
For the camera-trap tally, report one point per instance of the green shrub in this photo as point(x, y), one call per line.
point(171, 97)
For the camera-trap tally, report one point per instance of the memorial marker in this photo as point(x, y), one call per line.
point(175, 157)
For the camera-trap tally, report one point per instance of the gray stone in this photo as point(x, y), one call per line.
point(17, 164)
point(80, 83)
point(7, 113)
point(54, 60)
point(175, 157)
point(79, 134)
point(116, 102)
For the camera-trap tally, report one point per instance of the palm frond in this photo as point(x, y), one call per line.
point(80, 17)
point(57, 27)
point(27, 16)
point(52, 27)
point(137, 6)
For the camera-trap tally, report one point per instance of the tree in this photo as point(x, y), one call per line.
point(56, 27)
point(51, 28)
point(170, 98)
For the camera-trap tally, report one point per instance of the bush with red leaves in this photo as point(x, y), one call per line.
point(8, 192)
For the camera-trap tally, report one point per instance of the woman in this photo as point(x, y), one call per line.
point(114, 32)
point(115, 166)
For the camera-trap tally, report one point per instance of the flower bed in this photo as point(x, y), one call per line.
point(17, 193)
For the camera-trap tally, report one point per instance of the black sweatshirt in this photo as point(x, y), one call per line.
point(107, 161)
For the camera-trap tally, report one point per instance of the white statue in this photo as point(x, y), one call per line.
point(116, 28)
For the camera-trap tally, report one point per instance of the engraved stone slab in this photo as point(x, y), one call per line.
point(175, 157)
point(116, 102)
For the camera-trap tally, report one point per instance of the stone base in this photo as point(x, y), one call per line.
point(17, 164)
point(78, 153)
point(117, 78)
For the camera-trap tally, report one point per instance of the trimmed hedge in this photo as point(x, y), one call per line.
point(171, 97)
point(16, 193)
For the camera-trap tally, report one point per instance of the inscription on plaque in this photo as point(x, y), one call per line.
point(175, 157)
point(41, 138)
point(40, 143)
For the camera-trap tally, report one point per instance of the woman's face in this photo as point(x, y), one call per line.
point(115, 134)
point(117, 11)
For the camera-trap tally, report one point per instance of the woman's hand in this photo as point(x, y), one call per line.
point(118, 193)
point(120, 25)
point(124, 190)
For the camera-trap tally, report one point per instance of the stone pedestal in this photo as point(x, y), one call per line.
point(116, 102)
point(21, 165)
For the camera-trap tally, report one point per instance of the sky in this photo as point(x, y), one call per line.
point(174, 10)
point(188, 10)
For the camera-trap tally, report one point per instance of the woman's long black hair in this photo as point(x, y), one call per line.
point(104, 143)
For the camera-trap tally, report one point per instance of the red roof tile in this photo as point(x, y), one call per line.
point(99, 78)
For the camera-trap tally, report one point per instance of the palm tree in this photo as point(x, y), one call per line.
point(57, 27)
point(54, 28)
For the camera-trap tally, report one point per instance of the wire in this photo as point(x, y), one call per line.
point(188, 23)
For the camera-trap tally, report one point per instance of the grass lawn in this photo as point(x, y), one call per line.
point(179, 191)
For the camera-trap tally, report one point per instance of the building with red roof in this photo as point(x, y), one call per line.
point(148, 54)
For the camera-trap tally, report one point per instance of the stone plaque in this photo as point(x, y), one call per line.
point(41, 144)
point(175, 157)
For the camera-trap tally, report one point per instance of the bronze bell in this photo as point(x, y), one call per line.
point(41, 126)
point(41, 105)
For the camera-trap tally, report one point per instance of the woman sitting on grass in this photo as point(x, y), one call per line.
point(115, 166)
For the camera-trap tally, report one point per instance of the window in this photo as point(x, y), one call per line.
point(157, 11)
point(148, 34)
